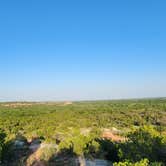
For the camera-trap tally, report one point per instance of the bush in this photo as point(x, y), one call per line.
point(143, 162)
point(2, 144)
point(143, 143)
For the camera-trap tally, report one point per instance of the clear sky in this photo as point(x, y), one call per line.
point(82, 49)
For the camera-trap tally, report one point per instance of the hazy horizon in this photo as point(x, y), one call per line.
point(81, 100)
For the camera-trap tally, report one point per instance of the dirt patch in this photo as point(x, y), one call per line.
point(67, 103)
point(85, 131)
point(14, 105)
point(39, 163)
point(108, 134)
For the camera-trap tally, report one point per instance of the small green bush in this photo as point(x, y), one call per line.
point(143, 162)
point(2, 144)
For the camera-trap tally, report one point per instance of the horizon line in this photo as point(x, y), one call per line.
point(81, 100)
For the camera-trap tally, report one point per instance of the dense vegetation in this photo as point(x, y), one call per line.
point(76, 129)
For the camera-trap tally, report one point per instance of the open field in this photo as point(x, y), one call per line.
point(70, 133)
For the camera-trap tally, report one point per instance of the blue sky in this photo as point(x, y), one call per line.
point(82, 49)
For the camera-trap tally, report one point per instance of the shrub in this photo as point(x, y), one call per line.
point(143, 162)
point(143, 143)
point(2, 144)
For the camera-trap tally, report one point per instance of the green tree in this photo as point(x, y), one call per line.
point(2, 144)
point(143, 162)
point(143, 143)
